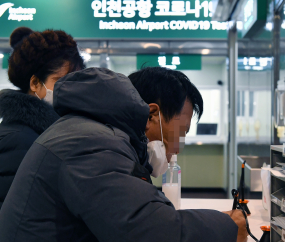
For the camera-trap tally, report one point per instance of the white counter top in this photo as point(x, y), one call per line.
point(258, 217)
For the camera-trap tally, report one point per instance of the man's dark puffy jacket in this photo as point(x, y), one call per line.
point(86, 177)
point(24, 118)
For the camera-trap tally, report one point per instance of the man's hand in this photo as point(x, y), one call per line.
point(238, 217)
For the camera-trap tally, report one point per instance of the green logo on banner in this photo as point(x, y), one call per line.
point(19, 13)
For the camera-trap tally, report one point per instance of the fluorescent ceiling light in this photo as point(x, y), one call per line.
point(269, 26)
point(145, 46)
point(86, 57)
point(205, 51)
point(239, 25)
point(88, 50)
point(283, 24)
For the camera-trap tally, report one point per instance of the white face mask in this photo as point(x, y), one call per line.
point(49, 95)
point(157, 155)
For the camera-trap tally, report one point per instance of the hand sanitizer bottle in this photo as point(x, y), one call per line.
point(171, 182)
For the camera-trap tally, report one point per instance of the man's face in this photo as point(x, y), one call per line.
point(174, 131)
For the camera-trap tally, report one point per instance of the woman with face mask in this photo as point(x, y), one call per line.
point(37, 61)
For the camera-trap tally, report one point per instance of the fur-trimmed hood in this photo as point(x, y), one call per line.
point(17, 107)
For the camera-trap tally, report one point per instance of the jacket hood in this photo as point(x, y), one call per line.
point(107, 97)
point(20, 108)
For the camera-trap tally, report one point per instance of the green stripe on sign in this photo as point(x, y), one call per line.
point(5, 59)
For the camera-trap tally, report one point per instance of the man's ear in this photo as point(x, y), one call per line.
point(153, 112)
point(153, 115)
point(34, 84)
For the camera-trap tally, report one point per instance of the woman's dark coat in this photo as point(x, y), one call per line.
point(24, 118)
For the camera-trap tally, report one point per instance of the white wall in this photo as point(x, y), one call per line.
point(208, 76)
point(121, 64)
point(125, 69)
point(4, 82)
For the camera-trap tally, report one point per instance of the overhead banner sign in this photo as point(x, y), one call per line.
point(254, 14)
point(133, 19)
point(254, 63)
point(174, 62)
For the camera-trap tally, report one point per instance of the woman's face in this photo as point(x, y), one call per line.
point(36, 86)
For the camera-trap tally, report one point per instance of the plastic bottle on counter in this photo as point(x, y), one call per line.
point(171, 182)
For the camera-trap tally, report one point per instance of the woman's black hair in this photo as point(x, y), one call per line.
point(40, 54)
point(167, 88)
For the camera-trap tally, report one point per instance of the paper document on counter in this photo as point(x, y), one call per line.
point(279, 221)
point(277, 171)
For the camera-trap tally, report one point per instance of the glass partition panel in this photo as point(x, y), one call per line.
point(253, 131)
point(253, 122)
point(212, 112)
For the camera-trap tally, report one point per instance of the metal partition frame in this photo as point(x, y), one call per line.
point(233, 57)
point(276, 72)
